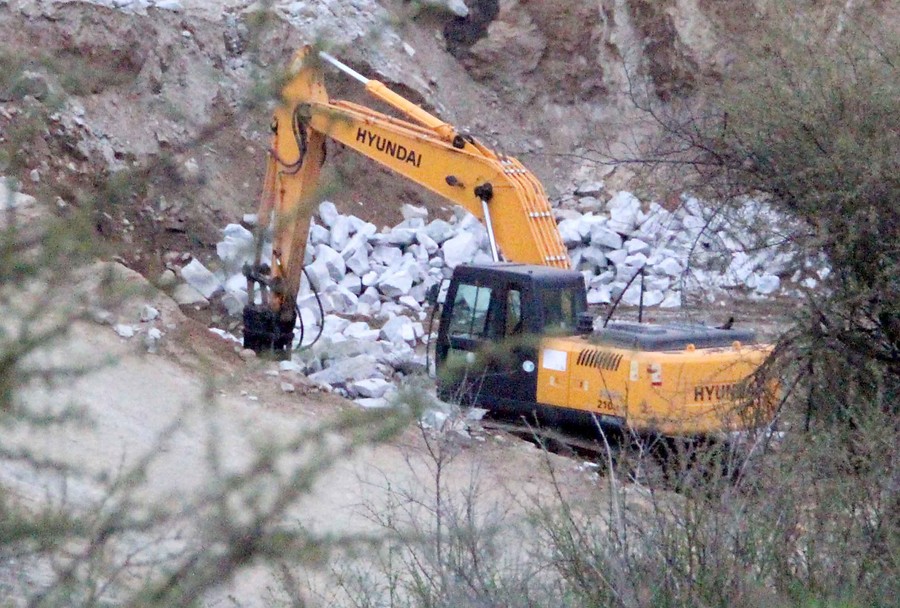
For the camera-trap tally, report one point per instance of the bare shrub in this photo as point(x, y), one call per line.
point(72, 534)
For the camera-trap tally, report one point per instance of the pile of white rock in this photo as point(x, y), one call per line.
point(365, 288)
point(377, 278)
point(696, 248)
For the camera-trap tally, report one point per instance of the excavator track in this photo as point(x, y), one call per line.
point(654, 462)
point(556, 441)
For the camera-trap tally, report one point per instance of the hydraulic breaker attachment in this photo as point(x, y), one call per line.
point(266, 333)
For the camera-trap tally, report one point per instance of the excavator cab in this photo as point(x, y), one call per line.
point(491, 322)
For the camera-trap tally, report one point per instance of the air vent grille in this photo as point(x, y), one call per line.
point(601, 359)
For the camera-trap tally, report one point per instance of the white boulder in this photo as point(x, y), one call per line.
point(185, 295)
point(670, 267)
point(617, 257)
point(599, 295)
point(589, 204)
point(347, 370)
point(373, 388)
point(604, 278)
point(657, 221)
point(308, 321)
point(624, 210)
point(401, 237)
point(412, 212)
point(672, 300)
point(328, 213)
point(594, 256)
point(410, 302)
point(341, 299)
point(236, 248)
point(429, 244)
point(310, 302)
point(360, 330)
point(124, 330)
point(334, 325)
point(234, 302)
point(633, 246)
point(319, 235)
point(152, 339)
point(10, 198)
point(569, 232)
point(200, 278)
point(460, 249)
point(635, 260)
point(651, 297)
point(333, 262)
point(386, 255)
point(169, 5)
point(439, 231)
point(589, 188)
point(768, 284)
point(319, 275)
point(395, 284)
point(398, 329)
point(565, 214)
point(358, 262)
point(149, 313)
point(371, 403)
point(352, 283)
point(340, 233)
point(603, 236)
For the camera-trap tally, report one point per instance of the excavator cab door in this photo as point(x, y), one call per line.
point(485, 353)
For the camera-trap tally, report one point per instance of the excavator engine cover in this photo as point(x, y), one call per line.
point(674, 336)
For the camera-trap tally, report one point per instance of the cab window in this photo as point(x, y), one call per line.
point(470, 311)
point(561, 308)
point(513, 312)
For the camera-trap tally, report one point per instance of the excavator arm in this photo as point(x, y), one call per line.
point(497, 189)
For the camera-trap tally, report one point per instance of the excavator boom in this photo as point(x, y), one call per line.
point(497, 189)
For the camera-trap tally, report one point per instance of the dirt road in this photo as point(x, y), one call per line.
point(196, 397)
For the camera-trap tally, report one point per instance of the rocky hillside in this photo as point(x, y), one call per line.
point(124, 83)
point(156, 111)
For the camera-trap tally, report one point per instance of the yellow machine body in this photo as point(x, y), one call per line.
point(685, 392)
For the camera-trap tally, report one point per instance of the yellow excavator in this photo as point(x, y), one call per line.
point(515, 336)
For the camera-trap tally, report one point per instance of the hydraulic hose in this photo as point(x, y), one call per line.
point(300, 346)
